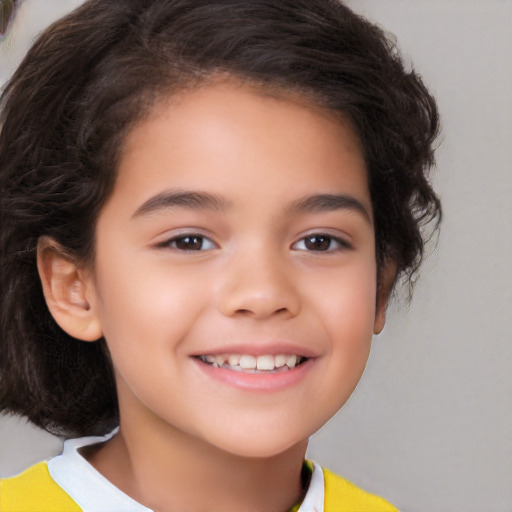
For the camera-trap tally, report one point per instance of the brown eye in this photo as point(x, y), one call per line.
point(321, 243)
point(190, 243)
point(317, 243)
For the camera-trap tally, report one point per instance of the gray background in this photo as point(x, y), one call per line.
point(430, 425)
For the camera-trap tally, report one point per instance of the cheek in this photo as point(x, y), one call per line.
point(146, 305)
point(347, 303)
point(347, 310)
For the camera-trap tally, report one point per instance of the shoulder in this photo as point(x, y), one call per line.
point(34, 490)
point(340, 494)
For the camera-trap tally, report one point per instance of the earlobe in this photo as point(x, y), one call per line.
point(387, 276)
point(68, 291)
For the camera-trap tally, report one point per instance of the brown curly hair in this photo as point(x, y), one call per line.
point(92, 75)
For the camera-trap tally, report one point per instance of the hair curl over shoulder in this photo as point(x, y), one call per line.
point(92, 75)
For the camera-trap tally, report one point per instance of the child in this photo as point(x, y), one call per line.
point(205, 206)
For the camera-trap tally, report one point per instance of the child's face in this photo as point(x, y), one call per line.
point(240, 225)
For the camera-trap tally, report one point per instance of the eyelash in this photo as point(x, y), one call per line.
point(196, 243)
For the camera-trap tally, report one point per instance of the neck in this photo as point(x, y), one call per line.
point(167, 470)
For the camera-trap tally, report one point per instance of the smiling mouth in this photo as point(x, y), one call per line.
point(254, 364)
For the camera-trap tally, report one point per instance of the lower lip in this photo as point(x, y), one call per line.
point(259, 382)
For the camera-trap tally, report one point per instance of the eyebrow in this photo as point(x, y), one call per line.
point(182, 199)
point(329, 202)
point(205, 201)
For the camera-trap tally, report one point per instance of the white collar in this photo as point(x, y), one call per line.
point(92, 492)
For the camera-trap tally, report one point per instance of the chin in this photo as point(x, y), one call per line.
point(261, 447)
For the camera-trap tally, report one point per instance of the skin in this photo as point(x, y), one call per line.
point(254, 281)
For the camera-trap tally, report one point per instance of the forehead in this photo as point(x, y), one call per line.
point(217, 93)
point(223, 135)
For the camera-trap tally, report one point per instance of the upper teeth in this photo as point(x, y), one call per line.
point(250, 362)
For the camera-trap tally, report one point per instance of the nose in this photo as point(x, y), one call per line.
point(259, 285)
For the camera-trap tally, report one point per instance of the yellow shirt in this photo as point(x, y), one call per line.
point(36, 491)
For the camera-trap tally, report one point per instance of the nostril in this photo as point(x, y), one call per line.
point(260, 311)
point(244, 312)
point(259, 294)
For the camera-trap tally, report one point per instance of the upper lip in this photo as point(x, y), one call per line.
point(259, 349)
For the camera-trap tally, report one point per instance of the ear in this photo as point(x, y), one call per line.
point(387, 276)
point(68, 290)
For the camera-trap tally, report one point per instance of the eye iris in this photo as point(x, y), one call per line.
point(190, 243)
point(317, 243)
